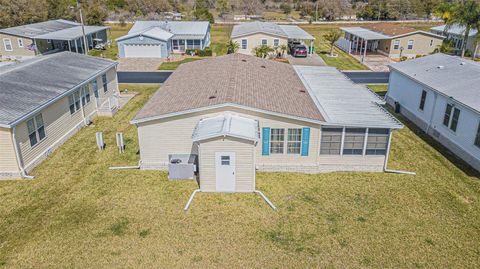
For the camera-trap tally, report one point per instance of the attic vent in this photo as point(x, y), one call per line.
point(441, 67)
point(302, 91)
point(263, 66)
point(243, 60)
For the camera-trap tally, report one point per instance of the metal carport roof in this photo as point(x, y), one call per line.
point(365, 33)
point(295, 32)
point(71, 33)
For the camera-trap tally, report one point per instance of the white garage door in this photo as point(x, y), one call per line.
point(143, 51)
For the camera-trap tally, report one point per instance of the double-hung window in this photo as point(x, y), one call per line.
point(294, 141)
point(277, 141)
point(423, 98)
point(244, 44)
point(477, 137)
point(85, 95)
point(410, 44)
point(36, 129)
point(396, 44)
point(104, 82)
point(95, 87)
point(7, 43)
point(74, 102)
point(451, 117)
point(377, 142)
point(264, 42)
point(20, 43)
point(331, 143)
point(276, 42)
point(354, 140)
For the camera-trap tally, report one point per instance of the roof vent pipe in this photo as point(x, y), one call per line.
point(441, 67)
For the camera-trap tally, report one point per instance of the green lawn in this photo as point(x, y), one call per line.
point(380, 89)
point(343, 61)
point(77, 213)
point(174, 65)
point(220, 34)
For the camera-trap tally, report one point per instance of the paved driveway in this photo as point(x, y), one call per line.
point(139, 64)
point(311, 60)
point(368, 77)
point(376, 62)
point(143, 77)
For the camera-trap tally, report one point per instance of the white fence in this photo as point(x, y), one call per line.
point(344, 45)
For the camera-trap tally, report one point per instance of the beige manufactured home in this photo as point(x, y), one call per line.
point(254, 34)
point(240, 114)
point(392, 40)
point(45, 100)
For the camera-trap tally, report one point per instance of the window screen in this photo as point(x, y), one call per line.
point(446, 117)
point(331, 141)
point(377, 142)
point(422, 100)
point(294, 141)
point(277, 139)
point(456, 116)
point(244, 44)
point(354, 140)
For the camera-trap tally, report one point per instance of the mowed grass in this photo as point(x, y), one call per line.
point(175, 64)
point(380, 89)
point(220, 35)
point(78, 213)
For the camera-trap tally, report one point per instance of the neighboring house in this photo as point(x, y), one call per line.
point(389, 39)
point(253, 34)
point(28, 40)
point(158, 39)
point(45, 100)
point(441, 95)
point(456, 34)
point(240, 113)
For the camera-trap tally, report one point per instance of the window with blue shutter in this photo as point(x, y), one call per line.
point(265, 141)
point(305, 141)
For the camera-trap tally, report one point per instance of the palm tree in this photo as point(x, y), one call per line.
point(232, 47)
point(262, 51)
point(465, 13)
point(332, 36)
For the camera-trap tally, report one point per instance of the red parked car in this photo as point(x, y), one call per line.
point(299, 51)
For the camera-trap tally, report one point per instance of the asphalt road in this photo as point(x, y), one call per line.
point(143, 77)
point(160, 77)
point(368, 77)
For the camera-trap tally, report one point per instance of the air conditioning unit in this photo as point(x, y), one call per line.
point(182, 166)
point(87, 121)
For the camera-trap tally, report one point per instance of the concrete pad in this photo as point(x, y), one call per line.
point(376, 62)
point(310, 60)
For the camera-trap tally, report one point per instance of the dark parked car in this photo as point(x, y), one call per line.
point(299, 51)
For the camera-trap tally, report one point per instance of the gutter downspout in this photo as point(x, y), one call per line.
point(23, 173)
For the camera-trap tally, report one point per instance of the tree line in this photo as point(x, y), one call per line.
point(21, 12)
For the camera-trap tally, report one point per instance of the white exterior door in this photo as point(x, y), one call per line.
point(225, 171)
point(143, 51)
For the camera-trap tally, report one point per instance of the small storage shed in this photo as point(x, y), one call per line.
point(226, 149)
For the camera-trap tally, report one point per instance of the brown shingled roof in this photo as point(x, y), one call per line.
point(235, 78)
point(390, 29)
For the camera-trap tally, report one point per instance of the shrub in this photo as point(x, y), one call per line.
point(198, 52)
point(403, 58)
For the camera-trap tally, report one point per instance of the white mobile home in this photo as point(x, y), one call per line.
point(240, 113)
point(47, 99)
point(441, 94)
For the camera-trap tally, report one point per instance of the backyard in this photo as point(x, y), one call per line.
point(78, 213)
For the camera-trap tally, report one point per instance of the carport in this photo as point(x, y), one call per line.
point(296, 33)
point(71, 39)
point(358, 40)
